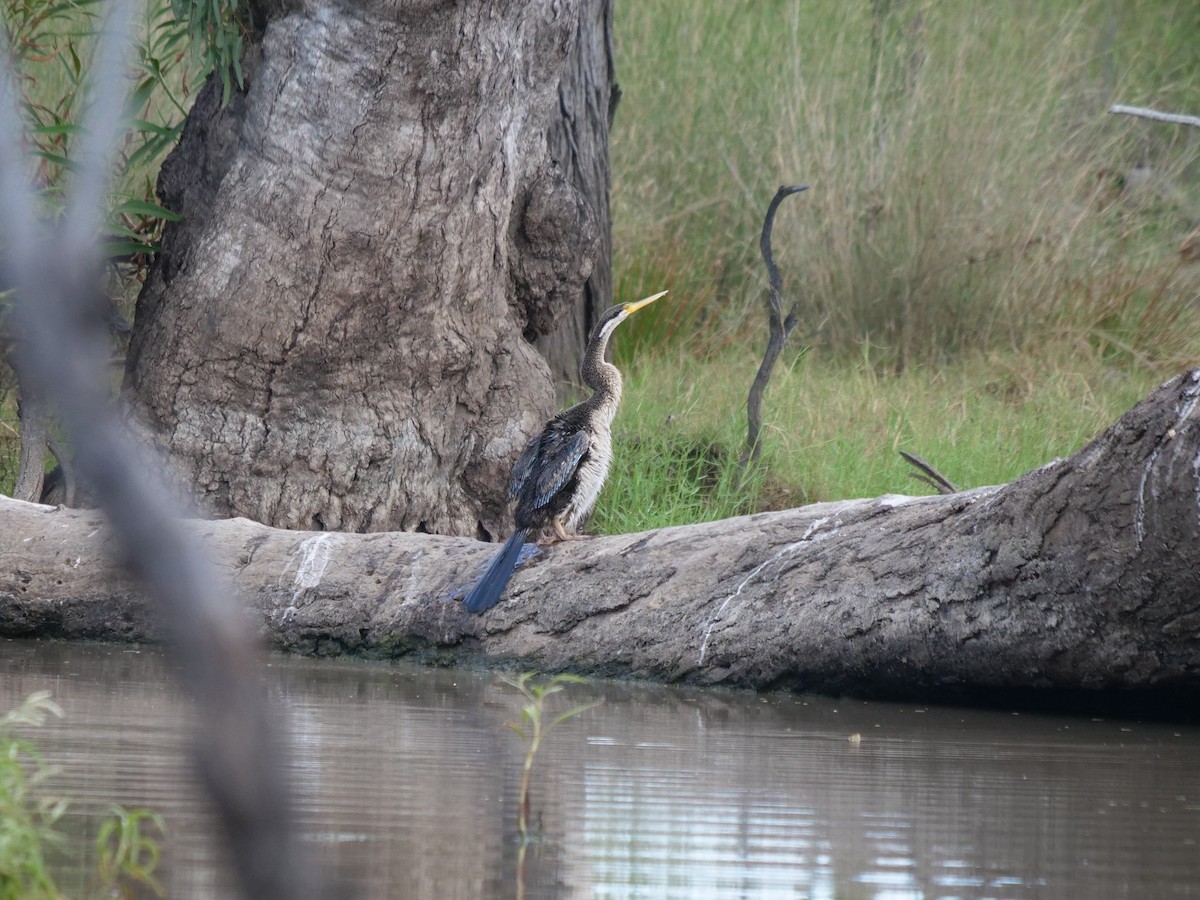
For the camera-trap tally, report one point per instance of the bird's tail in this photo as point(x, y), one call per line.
point(491, 584)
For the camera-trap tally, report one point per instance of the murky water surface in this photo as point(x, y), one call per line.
point(408, 782)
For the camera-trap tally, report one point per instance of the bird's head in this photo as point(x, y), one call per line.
point(615, 315)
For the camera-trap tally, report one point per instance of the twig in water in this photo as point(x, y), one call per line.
point(532, 729)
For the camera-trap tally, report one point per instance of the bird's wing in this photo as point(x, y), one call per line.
point(523, 468)
point(557, 462)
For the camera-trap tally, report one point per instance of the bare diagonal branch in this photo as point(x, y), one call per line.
point(928, 474)
point(1143, 113)
point(65, 355)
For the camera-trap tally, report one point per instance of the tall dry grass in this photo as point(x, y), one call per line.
point(968, 189)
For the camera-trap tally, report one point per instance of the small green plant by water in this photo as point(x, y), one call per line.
point(533, 728)
point(127, 855)
point(27, 813)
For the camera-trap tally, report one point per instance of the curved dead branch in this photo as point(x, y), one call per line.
point(779, 329)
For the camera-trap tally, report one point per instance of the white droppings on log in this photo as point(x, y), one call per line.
point(313, 553)
point(412, 576)
point(1196, 484)
point(890, 500)
point(1192, 395)
point(786, 551)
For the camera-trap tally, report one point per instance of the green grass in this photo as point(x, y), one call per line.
point(832, 429)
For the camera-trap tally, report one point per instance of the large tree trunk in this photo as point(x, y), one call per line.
point(333, 339)
point(1082, 575)
point(35, 435)
point(587, 100)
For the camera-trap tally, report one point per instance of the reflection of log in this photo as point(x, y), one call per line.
point(1083, 574)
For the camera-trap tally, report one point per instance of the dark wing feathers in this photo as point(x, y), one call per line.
point(523, 468)
point(546, 466)
point(559, 460)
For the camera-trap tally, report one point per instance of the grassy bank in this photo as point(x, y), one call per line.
point(833, 429)
point(987, 265)
point(968, 189)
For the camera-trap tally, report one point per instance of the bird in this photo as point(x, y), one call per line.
point(559, 474)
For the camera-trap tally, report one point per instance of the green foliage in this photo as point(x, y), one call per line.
point(127, 855)
point(215, 29)
point(51, 43)
point(27, 814)
point(51, 46)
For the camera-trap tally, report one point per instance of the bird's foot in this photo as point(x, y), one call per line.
point(561, 532)
point(558, 535)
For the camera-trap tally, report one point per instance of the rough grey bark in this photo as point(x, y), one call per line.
point(1083, 574)
point(333, 337)
point(587, 100)
point(35, 435)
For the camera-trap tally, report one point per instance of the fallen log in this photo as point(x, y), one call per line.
point(1083, 575)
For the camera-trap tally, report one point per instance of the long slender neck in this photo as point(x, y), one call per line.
point(601, 376)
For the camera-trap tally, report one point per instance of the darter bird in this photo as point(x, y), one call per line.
point(560, 473)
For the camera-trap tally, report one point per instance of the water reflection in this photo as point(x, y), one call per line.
point(408, 782)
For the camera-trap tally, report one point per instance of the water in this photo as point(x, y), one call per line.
point(408, 782)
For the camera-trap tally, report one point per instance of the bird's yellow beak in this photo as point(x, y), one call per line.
point(631, 308)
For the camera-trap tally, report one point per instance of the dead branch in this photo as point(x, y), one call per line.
point(1081, 577)
point(779, 329)
point(928, 474)
point(1143, 113)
